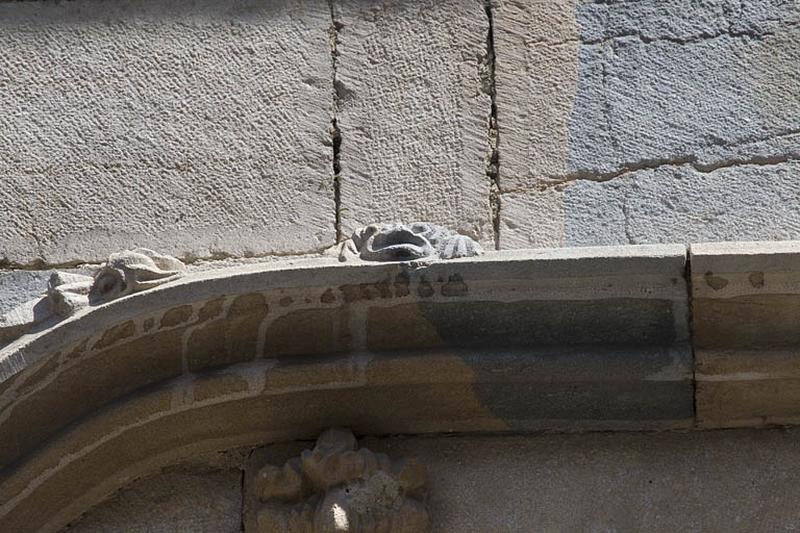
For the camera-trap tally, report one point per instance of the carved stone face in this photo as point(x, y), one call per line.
point(395, 242)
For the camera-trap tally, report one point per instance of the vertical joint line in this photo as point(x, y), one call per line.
point(493, 154)
point(690, 317)
point(335, 133)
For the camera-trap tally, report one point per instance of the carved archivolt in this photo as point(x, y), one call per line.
point(407, 242)
point(338, 487)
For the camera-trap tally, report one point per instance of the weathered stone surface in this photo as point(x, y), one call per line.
point(612, 88)
point(738, 481)
point(536, 73)
point(172, 501)
point(412, 111)
point(195, 130)
point(747, 342)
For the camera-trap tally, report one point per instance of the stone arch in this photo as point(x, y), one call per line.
point(257, 354)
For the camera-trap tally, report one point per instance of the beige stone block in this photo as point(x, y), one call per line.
point(532, 219)
point(197, 130)
point(413, 112)
point(62, 392)
point(536, 73)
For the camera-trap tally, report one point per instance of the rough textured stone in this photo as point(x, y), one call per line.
point(682, 204)
point(205, 502)
point(412, 111)
point(684, 88)
point(532, 219)
point(735, 481)
point(195, 130)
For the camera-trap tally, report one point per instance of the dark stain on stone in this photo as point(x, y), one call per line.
point(148, 324)
point(366, 291)
point(176, 316)
point(42, 372)
point(756, 280)
point(425, 289)
point(247, 304)
point(401, 283)
point(455, 286)
point(286, 301)
point(115, 334)
point(715, 282)
point(327, 297)
point(211, 309)
point(78, 350)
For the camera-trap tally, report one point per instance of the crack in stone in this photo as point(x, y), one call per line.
point(493, 134)
point(655, 164)
point(550, 181)
point(676, 40)
point(335, 132)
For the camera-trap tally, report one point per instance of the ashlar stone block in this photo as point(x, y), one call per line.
point(196, 129)
point(413, 110)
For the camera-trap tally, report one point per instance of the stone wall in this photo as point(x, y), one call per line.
point(239, 128)
point(736, 481)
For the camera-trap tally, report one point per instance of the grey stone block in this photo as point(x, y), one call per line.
point(413, 111)
point(671, 101)
point(609, 89)
point(681, 204)
point(197, 130)
point(172, 501)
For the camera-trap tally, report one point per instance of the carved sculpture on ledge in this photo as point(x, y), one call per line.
point(133, 271)
point(124, 273)
point(407, 242)
point(338, 487)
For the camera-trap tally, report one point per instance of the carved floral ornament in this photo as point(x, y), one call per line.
point(124, 273)
point(407, 242)
point(337, 487)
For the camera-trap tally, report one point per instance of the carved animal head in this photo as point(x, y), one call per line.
point(133, 271)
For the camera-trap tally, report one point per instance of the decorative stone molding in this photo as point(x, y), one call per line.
point(571, 339)
point(407, 242)
point(132, 271)
point(338, 487)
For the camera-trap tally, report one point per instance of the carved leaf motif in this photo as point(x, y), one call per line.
point(337, 487)
point(407, 242)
